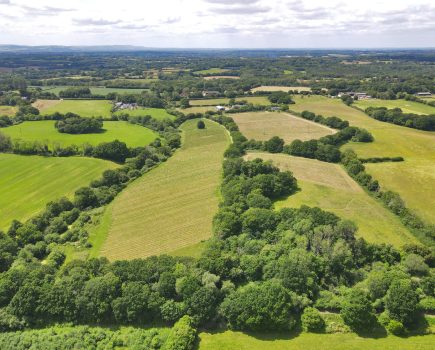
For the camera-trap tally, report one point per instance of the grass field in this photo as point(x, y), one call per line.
point(172, 206)
point(27, 183)
point(281, 88)
point(259, 100)
point(213, 77)
point(210, 71)
point(230, 340)
point(95, 90)
point(8, 110)
point(405, 106)
point(416, 146)
point(329, 187)
point(84, 108)
point(156, 113)
point(264, 125)
point(197, 109)
point(132, 135)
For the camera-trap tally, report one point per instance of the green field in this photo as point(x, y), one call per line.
point(133, 135)
point(259, 100)
point(329, 187)
point(404, 105)
point(308, 341)
point(172, 206)
point(8, 110)
point(27, 183)
point(84, 108)
point(281, 88)
point(95, 90)
point(210, 71)
point(416, 146)
point(156, 113)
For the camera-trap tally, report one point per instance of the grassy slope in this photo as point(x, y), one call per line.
point(264, 125)
point(328, 186)
point(405, 106)
point(414, 178)
point(172, 206)
point(156, 113)
point(84, 108)
point(27, 183)
point(132, 135)
point(8, 110)
point(259, 100)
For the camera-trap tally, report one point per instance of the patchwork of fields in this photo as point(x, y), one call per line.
point(259, 100)
point(133, 135)
point(172, 206)
point(156, 113)
point(84, 108)
point(95, 90)
point(404, 105)
point(27, 183)
point(264, 125)
point(414, 178)
point(329, 187)
point(281, 88)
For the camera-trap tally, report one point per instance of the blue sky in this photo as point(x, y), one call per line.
point(220, 23)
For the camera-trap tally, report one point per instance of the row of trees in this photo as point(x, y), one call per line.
point(396, 116)
point(78, 125)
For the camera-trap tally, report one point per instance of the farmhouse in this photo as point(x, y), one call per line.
point(424, 94)
point(275, 108)
point(210, 93)
point(220, 108)
point(355, 95)
point(121, 105)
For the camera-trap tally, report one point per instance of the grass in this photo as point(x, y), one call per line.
point(210, 71)
point(414, 178)
point(264, 125)
point(329, 187)
point(280, 88)
point(213, 77)
point(230, 340)
point(404, 105)
point(27, 183)
point(133, 135)
point(259, 100)
point(95, 90)
point(84, 108)
point(172, 206)
point(156, 113)
point(197, 109)
point(8, 110)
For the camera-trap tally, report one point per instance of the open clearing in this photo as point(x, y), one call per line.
point(156, 113)
point(27, 183)
point(328, 186)
point(264, 125)
point(172, 206)
point(256, 100)
point(230, 340)
point(8, 110)
point(405, 106)
point(84, 108)
point(281, 88)
point(416, 146)
point(44, 131)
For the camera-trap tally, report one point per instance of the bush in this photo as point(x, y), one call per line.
point(357, 311)
point(182, 336)
point(312, 321)
point(395, 327)
point(200, 124)
point(78, 125)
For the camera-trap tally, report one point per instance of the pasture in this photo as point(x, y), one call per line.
point(8, 110)
point(416, 146)
point(44, 131)
point(256, 100)
point(264, 125)
point(156, 113)
point(172, 206)
point(27, 183)
point(84, 108)
point(329, 187)
point(197, 109)
point(213, 77)
point(210, 71)
point(281, 88)
point(404, 105)
point(95, 90)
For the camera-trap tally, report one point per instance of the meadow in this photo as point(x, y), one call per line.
point(156, 113)
point(264, 125)
point(8, 110)
point(172, 206)
point(259, 100)
point(414, 178)
point(197, 109)
point(210, 71)
point(84, 108)
point(95, 90)
point(27, 183)
point(281, 88)
point(133, 135)
point(329, 187)
point(213, 77)
point(404, 105)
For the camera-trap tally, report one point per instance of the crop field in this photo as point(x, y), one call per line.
point(172, 206)
point(259, 100)
point(213, 77)
point(27, 183)
point(264, 125)
point(416, 146)
point(8, 110)
point(132, 135)
point(329, 187)
point(404, 105)
point(84, 108)
point(281, 88)
point(95, 90)
point(197, 109)
point(156, 113)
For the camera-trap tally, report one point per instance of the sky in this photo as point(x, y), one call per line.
point(220, 23)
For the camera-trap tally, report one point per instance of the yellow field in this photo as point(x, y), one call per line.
point(329, 187)
point(213, 77)
point(8, 110)
point(414, 178)
point(264, 125)
point(197, 109)
point(259, 100)
point(172, 206)
point(281, 88)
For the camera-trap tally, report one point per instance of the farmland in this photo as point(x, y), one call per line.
point(7, 110)
point(404, 105)
point(259, 100)
point(170, 207)
point(95, 90)
point(84, 108)
point(132, 135)
point(264, 125)
point(281, 88)
point(27, 183)
point(156, 113)
point(211, 71)
point(416, 146)
point(213, 77)
point(328, 186)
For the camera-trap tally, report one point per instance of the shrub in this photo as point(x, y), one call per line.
point(312, 321)
point(357, 311)
point(395, 327)
point(401, 301)
point(200, 124)
point(182, 336)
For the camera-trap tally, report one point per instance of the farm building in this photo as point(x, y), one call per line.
point(424, 94)
point(220, 108)
point(208, 93)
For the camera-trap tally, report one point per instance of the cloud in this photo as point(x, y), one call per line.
point(95, 22)
point(232, 2)
point(5, 2)
point(43, 11)
point(239, 10)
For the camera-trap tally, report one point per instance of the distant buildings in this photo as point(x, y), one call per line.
point(355, 95)
point(209, 93)
point(221, 108)
point(423, 94)
point(122, 105)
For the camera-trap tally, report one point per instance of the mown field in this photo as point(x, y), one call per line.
point(172, 206)
point(414, 178)
point(27, 183)
point(132, 135)
point(264, 125)
point(95, 90)
point(281, 88)
point(197, 109)
point(259, 100)
point(156, 113)
point(405, 106)
point(84, 108)
point(329, 187)
point(8, 110)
